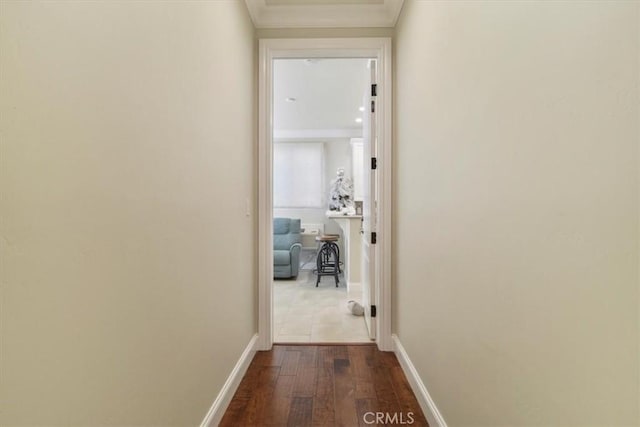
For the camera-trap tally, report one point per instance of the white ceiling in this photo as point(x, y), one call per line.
point(328, 93)
point(323, 13)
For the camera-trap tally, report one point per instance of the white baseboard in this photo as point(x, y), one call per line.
point(219, 406)
point(424, 399)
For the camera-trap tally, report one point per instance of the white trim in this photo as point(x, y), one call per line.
point(270, 49)
point(219, 406)
point(329, 15)
point(265, 200)
point(296, 134)
point(385, 191)
point(428, 406)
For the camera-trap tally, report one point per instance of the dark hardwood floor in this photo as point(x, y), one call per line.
point(323, 385)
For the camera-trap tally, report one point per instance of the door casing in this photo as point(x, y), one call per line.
point(270, 49)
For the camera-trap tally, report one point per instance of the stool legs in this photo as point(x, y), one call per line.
point(337, 250)
point(328, 262)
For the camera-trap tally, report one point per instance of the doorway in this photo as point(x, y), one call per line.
point(318, 198)
point(370, 234)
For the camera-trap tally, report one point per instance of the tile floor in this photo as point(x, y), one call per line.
point(306, 314)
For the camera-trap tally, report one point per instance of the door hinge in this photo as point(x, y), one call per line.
point(373, 311)
point(374, 238)
point(374, 90)
point(373, 106)
point(374, 163)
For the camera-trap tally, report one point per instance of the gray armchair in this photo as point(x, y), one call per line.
point(287, 243)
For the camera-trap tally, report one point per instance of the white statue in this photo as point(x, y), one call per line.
point(341, 194)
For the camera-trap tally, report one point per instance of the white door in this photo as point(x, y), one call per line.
point(369, 201)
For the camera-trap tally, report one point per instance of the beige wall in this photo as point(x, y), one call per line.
point(516, 211)
point(127, 259)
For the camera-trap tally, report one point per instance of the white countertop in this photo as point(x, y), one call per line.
point(344, 216)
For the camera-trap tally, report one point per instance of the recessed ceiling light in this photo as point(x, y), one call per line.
point(361, 108)
point(358, 120)
point(290, 99)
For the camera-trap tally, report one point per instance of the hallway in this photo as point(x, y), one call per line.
point(328, 385)
point(136, 238)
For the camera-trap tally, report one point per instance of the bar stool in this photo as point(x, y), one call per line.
point(328, 260)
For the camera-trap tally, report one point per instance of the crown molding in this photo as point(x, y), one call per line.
point(319, 15)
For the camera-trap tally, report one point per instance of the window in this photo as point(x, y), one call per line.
point(297, 174)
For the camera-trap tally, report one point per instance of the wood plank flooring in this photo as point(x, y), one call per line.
point(323, 385)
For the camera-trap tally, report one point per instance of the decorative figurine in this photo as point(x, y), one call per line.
point(341, 194)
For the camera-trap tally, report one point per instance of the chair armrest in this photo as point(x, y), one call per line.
point(294, 251)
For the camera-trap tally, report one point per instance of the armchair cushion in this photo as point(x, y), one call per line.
point(281, 257)
point(286, 247)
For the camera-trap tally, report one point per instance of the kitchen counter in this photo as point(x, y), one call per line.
point(352, 242)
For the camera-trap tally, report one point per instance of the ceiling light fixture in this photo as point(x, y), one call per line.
point(361, 108)
point(358, 120)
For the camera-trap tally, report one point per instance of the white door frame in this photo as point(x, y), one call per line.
point(270, 49)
